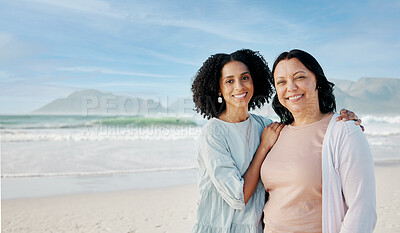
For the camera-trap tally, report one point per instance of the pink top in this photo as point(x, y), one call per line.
point(292, 174)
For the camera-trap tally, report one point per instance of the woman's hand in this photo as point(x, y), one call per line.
point(346, 115)
point(270, 135)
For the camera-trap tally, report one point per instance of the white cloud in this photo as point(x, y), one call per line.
point(170, 58)
point(13, 49)
point(5, 39)
point(151, 13)
point(6, 76)
point(128, 84)
point(95, 7)
point(116, 72)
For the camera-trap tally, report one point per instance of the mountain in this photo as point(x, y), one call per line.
point(94, 102)
point(365, 96)
point(368, 95)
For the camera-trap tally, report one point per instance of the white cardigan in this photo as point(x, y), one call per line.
point(348, 181)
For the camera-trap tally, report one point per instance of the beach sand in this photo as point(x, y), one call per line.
point(387, 177)
point(171, 209)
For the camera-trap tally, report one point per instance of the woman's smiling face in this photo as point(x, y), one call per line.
point(236, 85)
point(296, 86)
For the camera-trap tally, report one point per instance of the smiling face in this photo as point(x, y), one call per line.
point(296, 87)
point(236, 85)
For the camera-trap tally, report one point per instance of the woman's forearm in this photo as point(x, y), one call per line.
point(252, 175)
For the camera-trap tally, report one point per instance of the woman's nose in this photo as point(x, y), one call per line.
point(291, 86)
point(239, 85)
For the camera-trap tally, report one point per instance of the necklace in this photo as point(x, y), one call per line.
point(247, 135)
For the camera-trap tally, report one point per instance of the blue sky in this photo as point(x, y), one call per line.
point(51, 48)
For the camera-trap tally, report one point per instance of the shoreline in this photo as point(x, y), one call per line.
point(156, 209)
point(60, 185)
point(52, 186)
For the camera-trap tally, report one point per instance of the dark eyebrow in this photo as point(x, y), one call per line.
point(231, 76)
point(300, 71)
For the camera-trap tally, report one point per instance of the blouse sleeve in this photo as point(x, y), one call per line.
point(267, 121)
point(222, 169)
point(264, 121)
point(358, 182)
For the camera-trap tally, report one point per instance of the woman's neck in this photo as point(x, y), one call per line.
point(305, 118)
point(234, 115)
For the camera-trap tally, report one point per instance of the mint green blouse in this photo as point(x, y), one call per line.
point(224, 156)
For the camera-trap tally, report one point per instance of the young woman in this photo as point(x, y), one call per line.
point(234, 142)
point(320, 173)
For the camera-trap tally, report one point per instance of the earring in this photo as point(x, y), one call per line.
point(219, 98)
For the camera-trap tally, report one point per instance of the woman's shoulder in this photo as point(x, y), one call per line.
point(213, 122)
point(262, 120)
point(343, 127)
point(214, 128)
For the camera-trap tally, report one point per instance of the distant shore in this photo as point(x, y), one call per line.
point(168, 209)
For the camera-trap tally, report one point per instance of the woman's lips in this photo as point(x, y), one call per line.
point(240, 96)
point(294, 97)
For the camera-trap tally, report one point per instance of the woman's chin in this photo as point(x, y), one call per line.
point(240, 104)
point(295, 109)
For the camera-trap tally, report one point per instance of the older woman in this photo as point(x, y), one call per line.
point(230, 154)
point(319, 174)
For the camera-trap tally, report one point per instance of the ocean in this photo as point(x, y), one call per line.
point(57, 155)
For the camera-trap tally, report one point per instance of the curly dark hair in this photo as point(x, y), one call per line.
point(206, 87)
point(326, 97)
